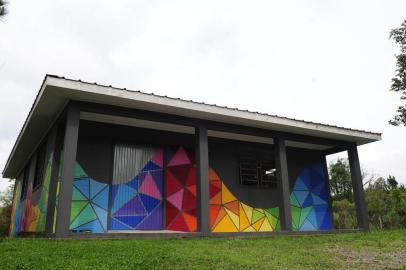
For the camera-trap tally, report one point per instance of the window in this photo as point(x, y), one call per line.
point(39, 166)
point(26, 177)
point(257, 168)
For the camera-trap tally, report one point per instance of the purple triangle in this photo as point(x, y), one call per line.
point(153, 221)
point(133, 207)
point(158, 177)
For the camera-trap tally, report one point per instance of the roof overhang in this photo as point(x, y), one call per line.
point(56, 92)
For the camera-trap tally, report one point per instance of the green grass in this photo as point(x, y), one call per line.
point(375, 250)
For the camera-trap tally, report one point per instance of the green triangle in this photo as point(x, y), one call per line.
point(304, 214)
point(278, 226)
point(77, 195)
point(256, 215)
point(273, 211)
point(76, 207)
point(79, 172)
point(295, 216)
point(85, 216)
point(293, 200)
point(272, 219)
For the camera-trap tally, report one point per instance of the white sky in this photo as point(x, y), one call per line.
point(325, 61)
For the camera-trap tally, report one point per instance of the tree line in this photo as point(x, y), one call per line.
point(385, 198)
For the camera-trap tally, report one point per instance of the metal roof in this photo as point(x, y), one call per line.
point(56, 91)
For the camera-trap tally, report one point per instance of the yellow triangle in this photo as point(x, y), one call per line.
point(250, 229)
point(225, 225)
point(265, 227)
point(272, 220)
point(244, 222)
point(258, 224)
point(248, 211)
point(260, 210)
point(227, 196)
point(234, 218)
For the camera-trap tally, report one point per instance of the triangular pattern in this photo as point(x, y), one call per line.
point(310, 209)
point(180, 158)
point(149, 187)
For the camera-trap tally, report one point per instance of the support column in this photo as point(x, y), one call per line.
point(283, 183)
point(358, 188)
point(202, 166)
point(68, 166)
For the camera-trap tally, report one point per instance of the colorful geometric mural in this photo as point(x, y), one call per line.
point(309, 200)
point(180, 191)
point(16, 216)
point(58, 188)
point(227, 214)
point(89, 203)
point(137, 204)
point(35, 213)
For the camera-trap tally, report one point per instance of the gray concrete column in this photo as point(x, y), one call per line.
point(202, 167)
point(68, 166)
point(283, 184)
point(358, 188)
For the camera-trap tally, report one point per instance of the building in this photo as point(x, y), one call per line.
point(95, 160)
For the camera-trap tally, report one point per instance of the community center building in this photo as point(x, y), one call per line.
point(98, 161)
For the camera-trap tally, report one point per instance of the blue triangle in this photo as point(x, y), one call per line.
point(319, 189)
point(321, 211)
point(319, 169)
point(158, 178)
point(83, 186)
point(93, 226)
point(306, 177)
point(133, 183)
point(301, 196)
point(131, 221)
point(149, 202)
point(312, 218)
point(307, 226)
point(102, 216)
point(327, 224)
point(150, 166)
point(308, 201)
point(117, 225)
point(299, 185)
point(317, 200)
point(123, 194)
point(95, 187)
point(102, 199)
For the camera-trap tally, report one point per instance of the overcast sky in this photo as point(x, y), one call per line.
point(324, 61)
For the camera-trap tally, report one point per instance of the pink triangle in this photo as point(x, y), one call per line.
point(149, 187)
point(158, 158)
point(180, 158)
point(176, 199)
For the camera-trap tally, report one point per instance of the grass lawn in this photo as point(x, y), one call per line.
point(375, 250)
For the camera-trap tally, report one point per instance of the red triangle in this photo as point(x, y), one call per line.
point(180, 173)
point(191, 212)
point(213, 190)
point(189, 200)
point(171, 213)
point(172, 184)
point(179, 224)
point(191, 178)
point(214, 210)
point(216, 183)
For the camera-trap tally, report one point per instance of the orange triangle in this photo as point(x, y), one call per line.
point(220, 216)
point(192, 189)
point(216, 199)
point(214, 211)
point(227, 196)
point(234, 207)
point(225, 225)
point(191, 222)
point(244, 222)
point(216, 183)
point(213, 175)
point(258, 224)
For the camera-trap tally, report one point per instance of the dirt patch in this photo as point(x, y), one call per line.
point(370, 259)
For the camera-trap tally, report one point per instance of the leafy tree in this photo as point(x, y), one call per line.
point(392, 182)
point(376, 198)
point(399, 81)
point(344, 214)
point(6, 200)
point(3, 10)
point(340, 180)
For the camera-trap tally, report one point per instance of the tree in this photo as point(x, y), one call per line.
point(392, 182)
point(6, 201)
point(399, 81)
point(3, 10)
point(340, 180)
